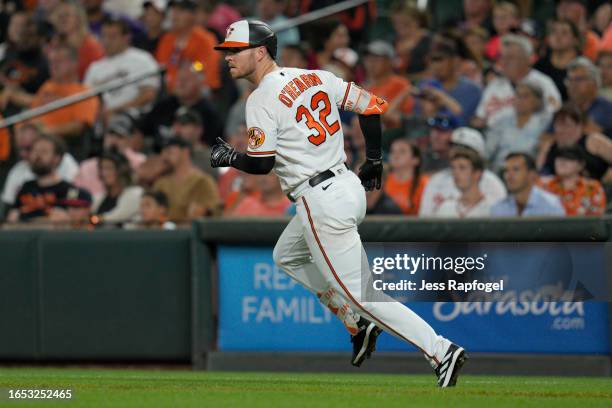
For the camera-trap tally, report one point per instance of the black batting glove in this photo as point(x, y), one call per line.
point(222, 154)
point(370, 174)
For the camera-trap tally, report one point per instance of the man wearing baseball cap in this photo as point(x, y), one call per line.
point(382, 81)
point(436, 155)
point(441, 186)
point(191, 193)
point(188, 126)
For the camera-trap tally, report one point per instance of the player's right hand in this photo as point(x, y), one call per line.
point(370, 174)
point(222, 154)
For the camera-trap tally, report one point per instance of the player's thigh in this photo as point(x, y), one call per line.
point(291, 247)
point(335, 245)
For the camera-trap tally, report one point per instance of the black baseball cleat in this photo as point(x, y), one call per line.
point(449, 367)
point(364, 342)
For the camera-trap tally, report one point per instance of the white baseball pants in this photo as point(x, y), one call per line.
point(321, 248)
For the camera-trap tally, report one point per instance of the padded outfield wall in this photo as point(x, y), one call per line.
point(212, 296)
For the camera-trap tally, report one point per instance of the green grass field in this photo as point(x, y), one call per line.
point(152, 388)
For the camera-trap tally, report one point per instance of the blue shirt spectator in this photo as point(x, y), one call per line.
point(539, 203)
point(600, 112)
point(445, 60)
point(524, 198)
point(465, 92)
point(583, 83)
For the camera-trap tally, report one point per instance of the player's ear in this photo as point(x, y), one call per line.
point(261, 53)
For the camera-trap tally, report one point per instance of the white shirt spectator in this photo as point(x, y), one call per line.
point(453, 208)
point(130, 62)
point(505, 137)
point(441, 187)
point(499, 95)
point(127, 208)
point(21, 172)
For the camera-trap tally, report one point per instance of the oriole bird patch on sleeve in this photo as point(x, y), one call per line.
point(256, 137)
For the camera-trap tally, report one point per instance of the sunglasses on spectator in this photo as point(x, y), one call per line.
point(440, 123)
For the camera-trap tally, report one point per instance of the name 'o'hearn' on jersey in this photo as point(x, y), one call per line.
point(293, 115)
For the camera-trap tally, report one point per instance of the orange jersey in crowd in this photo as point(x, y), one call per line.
point(587, 198)
point(399, 192)
point(199, 47)
point(83, 112)
point(391, 88)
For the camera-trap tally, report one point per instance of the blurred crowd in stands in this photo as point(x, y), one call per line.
point(497, 108)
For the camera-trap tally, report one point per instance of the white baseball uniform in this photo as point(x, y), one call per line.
point(293, 115)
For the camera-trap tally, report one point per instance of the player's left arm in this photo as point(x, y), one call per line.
point(371, 171)
point(369, 108)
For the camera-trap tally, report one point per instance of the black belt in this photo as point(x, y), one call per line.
point(318, 179)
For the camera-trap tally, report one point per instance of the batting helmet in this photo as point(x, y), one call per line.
point(249, 34)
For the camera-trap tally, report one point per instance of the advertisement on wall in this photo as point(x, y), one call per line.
point(263, 309)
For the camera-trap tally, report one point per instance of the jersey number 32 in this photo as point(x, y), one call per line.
point(321, 127)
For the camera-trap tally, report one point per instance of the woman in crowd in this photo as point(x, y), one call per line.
point(121, 200)
point(564, 44)
point(405, 183)
point(330, 35)
point(70, 23)
point(568, 123)
point(412, 39)
point(521, 128)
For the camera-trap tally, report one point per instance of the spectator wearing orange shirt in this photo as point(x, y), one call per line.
point(187, 41)
point(71, 29)
point(405, 183)
point(383, 82)
point(71, 121)
point(270, 202)
point(578, 195)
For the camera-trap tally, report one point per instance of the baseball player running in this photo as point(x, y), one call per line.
point(294, 129)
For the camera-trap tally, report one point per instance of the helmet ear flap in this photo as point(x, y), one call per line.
point(271, 46)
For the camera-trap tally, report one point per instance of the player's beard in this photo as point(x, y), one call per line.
point(247, 71)
point(244, 74)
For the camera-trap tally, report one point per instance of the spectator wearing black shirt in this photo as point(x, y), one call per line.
point(569, 130)
point(48, 197)
point(188, 92)
point(153, 15)
point(23, 66)
point(563, 47)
